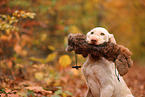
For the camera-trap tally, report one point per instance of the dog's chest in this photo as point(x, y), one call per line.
point(90, 70)
point(98, 69)
point(87, 70)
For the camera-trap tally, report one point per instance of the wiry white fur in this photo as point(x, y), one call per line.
point(101, 79)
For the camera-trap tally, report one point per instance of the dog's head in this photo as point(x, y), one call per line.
point(99, 35)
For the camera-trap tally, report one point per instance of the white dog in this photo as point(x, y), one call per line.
point(100, 75)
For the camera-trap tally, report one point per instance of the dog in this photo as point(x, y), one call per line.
point(100, 74)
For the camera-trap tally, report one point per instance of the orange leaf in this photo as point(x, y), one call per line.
point(4, 37)
point(39, 89)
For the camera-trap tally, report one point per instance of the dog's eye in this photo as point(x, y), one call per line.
point(92, 32)
point(102, 34)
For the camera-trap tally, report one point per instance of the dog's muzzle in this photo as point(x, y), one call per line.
point(93, 41)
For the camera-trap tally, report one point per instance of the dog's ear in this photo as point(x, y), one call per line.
point(112, 39)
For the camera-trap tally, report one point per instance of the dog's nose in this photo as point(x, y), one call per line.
point(93, 40)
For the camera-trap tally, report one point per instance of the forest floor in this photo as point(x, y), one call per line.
point(65, 83)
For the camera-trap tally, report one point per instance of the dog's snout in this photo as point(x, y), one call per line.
point(93, 40)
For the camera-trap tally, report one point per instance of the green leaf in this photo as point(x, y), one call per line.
point(30, 93)
point(58, 92)
point(55, 96)
point(69, 93)
point(3, 91)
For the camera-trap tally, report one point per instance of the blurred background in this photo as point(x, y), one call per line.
point(33, 37)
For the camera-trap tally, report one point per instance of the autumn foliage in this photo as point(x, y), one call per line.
point(33, 37)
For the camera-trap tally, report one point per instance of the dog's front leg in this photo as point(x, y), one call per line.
point(107, 91)
point(89, 93)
